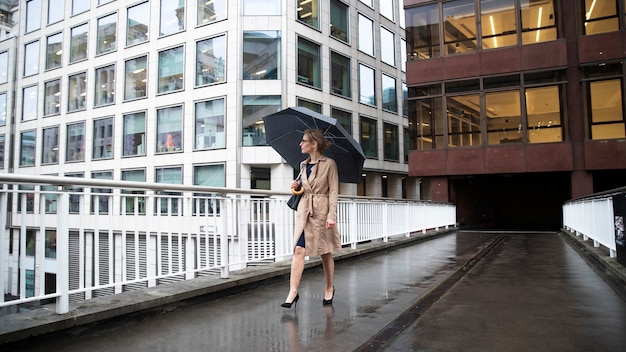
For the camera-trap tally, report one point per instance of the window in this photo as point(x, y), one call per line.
point(261, 7)
point(31, 58)
point(54, 51)
point(600, 17)
point(405, 99)
point(79, 43)
point(29, 103)
point(50, 148)
point(3, 109)
point(459, 27)
point(367, 91)
point(261, 53)
point(33, 15)
point(51, 200)
point(403, 57)
point(391, 145)
point(208, 176)
point(369, 141)
point(107, 34)
point(75, 198)
point(402, 14)
point(255, 107)
point(387, 47)
point(390, 97)
point(135, 78)
point(503, 114)
point(368, 3)
point(51, 251)
point(169, 129)
point(309, 63)
point(211, 11)
point(172, 17)
point(260, 178)
point(386, 8)
point(56, 11)
point(499, 26)
point(2, 146)
point(211, 61)
point(102, 2)
point(543, 113)
point(606, 110)
point(99, 200)
point(27, 148)
point(138, 24)
point(339, 19)
point(168, 203)
point(30, 234)
point(105, 86)
point(134, 204)
point(409, 144)
point(343, 117)
point(340, 75)
point(308, 12)
point(171, 69)
point(317, 107)
point(75, 142)
point(422, 32)
point(52, 98)
point(538, 21)
point(77, 92)
point(103, 138)
point(426, 117)
point(366, 35)
point(209, 126)
point(134, 134)
point(79, 6)
point(4, 66)
point(463, 120)
point(30, 251)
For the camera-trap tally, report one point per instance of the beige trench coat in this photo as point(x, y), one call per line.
point(318, 203)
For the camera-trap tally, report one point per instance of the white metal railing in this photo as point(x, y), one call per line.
point(71, 239)
point(592, 218)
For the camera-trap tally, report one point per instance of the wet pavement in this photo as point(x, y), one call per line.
point(466, 291)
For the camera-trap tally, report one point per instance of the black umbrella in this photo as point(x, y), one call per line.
point(284, 131)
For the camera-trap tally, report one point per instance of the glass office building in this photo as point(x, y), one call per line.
point(516, 105)
point(174, 91)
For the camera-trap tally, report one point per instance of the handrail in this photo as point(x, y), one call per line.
point(102, 237)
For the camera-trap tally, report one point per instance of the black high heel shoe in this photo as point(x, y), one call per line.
point(327, 302)
point(288, 304)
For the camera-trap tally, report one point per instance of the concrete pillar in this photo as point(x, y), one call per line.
point(582, 184)
point(439, 189)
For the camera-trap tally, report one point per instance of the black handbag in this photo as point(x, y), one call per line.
point(293, 201)
point(296, 195)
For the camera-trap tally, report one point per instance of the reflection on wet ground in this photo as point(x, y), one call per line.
point(531, 290)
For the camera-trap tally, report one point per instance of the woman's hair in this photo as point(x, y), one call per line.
point(316, 135)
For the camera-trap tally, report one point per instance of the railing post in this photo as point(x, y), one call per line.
point(63, 302)
point(352, 227)
point(385, 222)
point(3, 229)
point(407, 219)
point(226, 212)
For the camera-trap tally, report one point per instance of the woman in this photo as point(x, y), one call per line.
point(315, 231)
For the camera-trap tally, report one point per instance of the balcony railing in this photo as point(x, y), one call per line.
point(70, 239)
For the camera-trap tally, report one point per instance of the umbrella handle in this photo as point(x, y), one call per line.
point(298, 191)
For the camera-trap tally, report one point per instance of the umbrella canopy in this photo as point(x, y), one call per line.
point(284, 131)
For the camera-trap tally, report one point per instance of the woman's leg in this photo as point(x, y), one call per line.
point(328, 263)
point(297, 268)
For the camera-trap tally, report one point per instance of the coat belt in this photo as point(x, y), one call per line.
point(310, 200)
